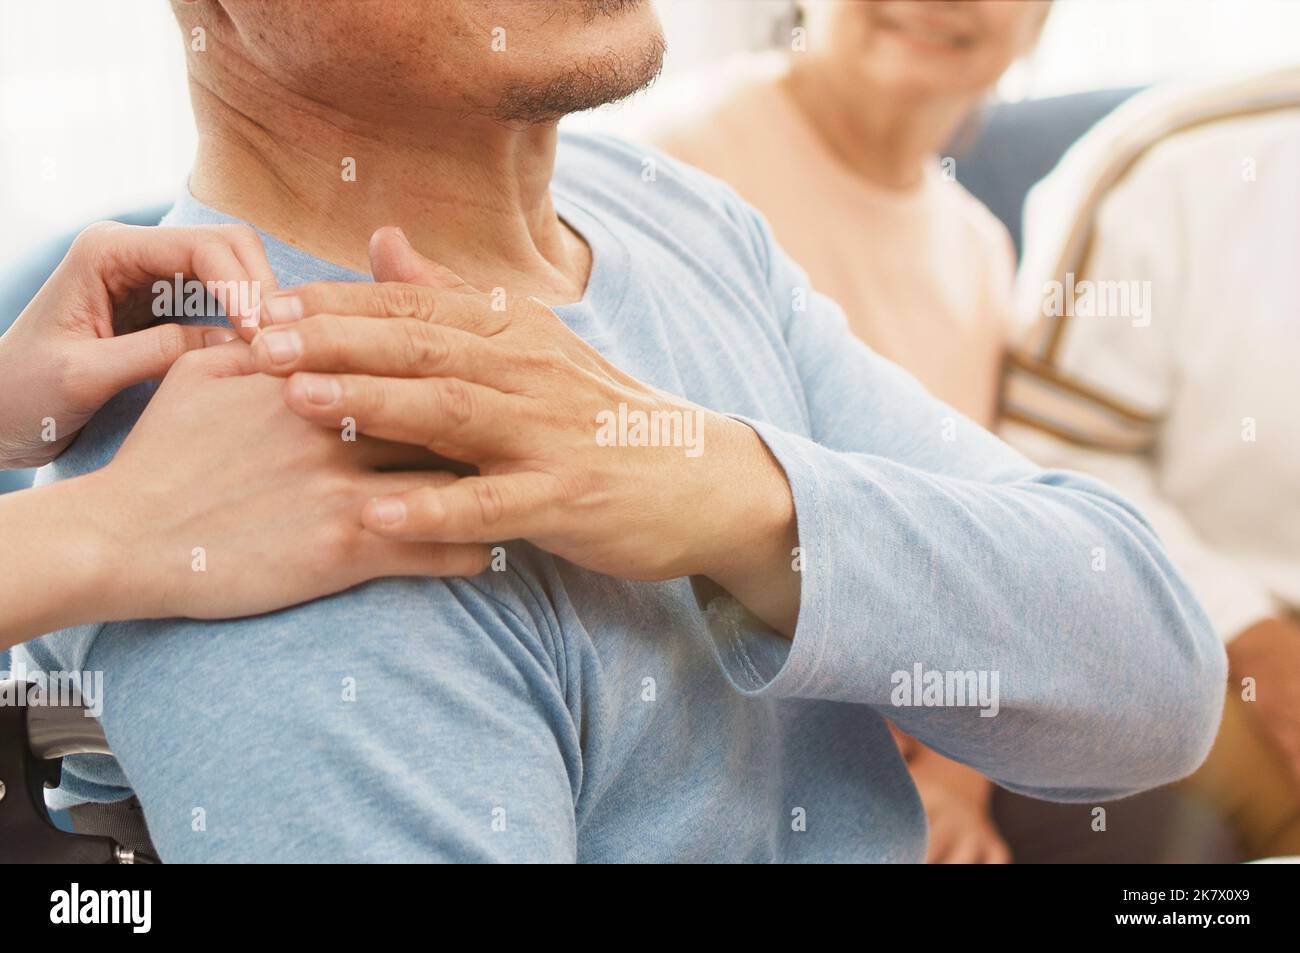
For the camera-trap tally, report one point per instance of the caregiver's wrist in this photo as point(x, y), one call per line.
point(15, 399)
point(77, 559)
point(118, 549)
point(34, 426)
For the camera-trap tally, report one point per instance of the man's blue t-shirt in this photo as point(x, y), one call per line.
point(551, 713)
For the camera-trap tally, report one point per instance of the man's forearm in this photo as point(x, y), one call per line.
point(995, 579)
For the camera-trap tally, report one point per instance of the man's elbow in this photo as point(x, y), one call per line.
point(1158, 721)
point(1178, 702)
point(1199, 701)
point(1180, 669)
point(1160, 730)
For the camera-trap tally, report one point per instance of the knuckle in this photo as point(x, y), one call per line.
point(93, 241)
point(536, 312)
point(455, 402)
point(421, 348)
point(546, 361)
point(170, 341)
point(488, 501)
point(400, 300)
point(103, 227)
point(575, 488)
point(243, 236)
point(190, 363)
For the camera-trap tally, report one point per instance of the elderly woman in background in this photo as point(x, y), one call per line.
point(838, 144)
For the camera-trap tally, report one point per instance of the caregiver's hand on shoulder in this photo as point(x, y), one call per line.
point(573, 455)
point(87, 335)
point(222, 503)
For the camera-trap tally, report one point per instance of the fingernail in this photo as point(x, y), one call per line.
point(401, 234)
point(282, 310)
point(321, 390)
point(217, 336)
point(388, 510)
point(281, 346)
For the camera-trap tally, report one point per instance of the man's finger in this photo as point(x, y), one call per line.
point(392, 258)
point(372, 485)
point(390, 557)
point(404, 458)
point(473, 313)
point(400, 347)
point(452, 417)
point(397, 557)
point(474, 509)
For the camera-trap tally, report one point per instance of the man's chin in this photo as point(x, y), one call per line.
point(608, 8)
point(600, 80)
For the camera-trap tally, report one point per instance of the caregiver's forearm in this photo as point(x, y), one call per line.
point(54, 558)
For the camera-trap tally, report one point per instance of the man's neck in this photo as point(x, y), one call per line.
point(886, 144)
point(469, 192)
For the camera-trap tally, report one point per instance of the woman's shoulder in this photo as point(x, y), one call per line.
point(976, 226)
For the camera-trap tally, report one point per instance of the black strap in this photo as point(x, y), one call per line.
point(121, 820)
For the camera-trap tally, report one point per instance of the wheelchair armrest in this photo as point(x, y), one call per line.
point(34, 738)
point(56, 731)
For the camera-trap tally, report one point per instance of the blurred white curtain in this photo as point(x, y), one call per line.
point(1088, 44)
point(94, 113)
